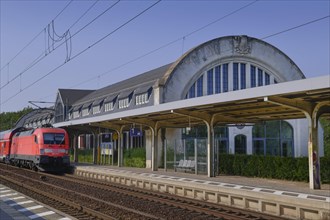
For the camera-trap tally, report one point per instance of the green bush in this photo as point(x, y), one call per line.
point(135, 157)
point(325, 171)
point(285, 168)
point(84, 155)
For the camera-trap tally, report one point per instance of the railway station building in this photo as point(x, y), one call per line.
point(233, 94)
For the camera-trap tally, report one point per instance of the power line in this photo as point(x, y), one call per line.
point(165, 45)
point(171, 42)
point(83, 51)
point(43, 55)
point(33, 39)
point(298, 26)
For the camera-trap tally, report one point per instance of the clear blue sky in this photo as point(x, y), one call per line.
point(170, 28)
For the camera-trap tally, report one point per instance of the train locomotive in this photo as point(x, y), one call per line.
point(43, 149)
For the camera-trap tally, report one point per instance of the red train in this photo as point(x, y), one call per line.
point(44, 149)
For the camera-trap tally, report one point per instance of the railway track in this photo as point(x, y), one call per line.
point(104, 200)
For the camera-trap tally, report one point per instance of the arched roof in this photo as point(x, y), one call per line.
point(226, 49)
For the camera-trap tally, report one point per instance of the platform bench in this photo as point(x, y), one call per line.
point(185, 165)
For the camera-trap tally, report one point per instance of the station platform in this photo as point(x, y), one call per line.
point(17, 206)
point(288, 199)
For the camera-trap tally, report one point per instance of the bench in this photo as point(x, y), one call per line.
point(185, 165)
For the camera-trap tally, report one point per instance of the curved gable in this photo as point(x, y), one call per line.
point(226, 64)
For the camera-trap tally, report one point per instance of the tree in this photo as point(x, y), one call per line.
point(326, 136)
point(9, 119)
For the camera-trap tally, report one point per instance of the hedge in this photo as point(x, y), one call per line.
point(135, 157)
point(286, 168)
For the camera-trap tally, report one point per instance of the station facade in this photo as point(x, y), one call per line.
point(220, 66)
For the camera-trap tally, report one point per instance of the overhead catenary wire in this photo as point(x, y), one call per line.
point(169, 43)
point(193, 32)
point(47, 51)
point(165, 45)
point(81, 52)
point(34, 38)
point(295, 27)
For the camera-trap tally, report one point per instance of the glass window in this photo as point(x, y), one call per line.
point(253, 76)
point(267, 79)
point(273, 147)
point(96, 109)
point(108, 106)
point(192, 91)
point(260, 77)
point(76, 114)
point(258, 131)
point(217, 79)
point(258, 147)
point(273, 138)
point(54, 138)
point(123, 103)
point(142, 99)
point(210, 82)
point(240, 144)
point(223, 146)
point(273, 129)
point(225, 77)
point(287, 150)
point(85, 112)
point(243, 76)
point(286, 130)
point(235, 76)
point(200, 86)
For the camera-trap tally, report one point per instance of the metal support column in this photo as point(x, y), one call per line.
point(312, 112)
point(75, 148)
point(154, 149)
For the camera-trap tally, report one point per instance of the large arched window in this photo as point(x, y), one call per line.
point(240, 144)
point(230, 76)
point(273, 138)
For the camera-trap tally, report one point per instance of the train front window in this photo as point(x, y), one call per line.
point(53, 138)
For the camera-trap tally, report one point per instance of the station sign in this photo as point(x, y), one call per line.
point(106, 149)
point(135, 132)
point(106, 138)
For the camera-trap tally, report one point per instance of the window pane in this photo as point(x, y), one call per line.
point(225, 77)
point(210, 82)
point(235, 76)
point(273, 129)
point(253, 76)
point(286, 130)
point(53, 138)
point(287, 148)
point(220, 132)
point(258, 147)
point(200, 86)
point(217, 79)
point(260, 78)
point(273, 147)
point(243, 76)
point(258, 131)
point(192, 91)
point(267, 79)
point(223, 146)
point(240, 144)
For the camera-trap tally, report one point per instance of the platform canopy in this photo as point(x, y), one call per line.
point(289, 100)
